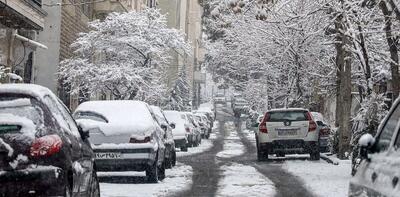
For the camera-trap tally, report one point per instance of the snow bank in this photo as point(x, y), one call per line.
point(177, 179)
point(203, 147)
point(323, 179)
point(124, 117)
point(240, 180)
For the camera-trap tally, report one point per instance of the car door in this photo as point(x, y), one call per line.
point(380, 175)
point(85, 162)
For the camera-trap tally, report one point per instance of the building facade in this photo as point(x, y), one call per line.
point(20, 23)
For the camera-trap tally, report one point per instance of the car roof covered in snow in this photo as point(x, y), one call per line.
point(124, 117)
point(32, 90)
point(287, 109)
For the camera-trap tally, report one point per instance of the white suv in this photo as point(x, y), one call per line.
point(287, 131)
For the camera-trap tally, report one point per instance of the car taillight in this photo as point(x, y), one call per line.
point(46, 146)
point(263, 124)
point(187, 129)
point(137, 141)
point(312, 125)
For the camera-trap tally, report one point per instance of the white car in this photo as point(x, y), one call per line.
point(181, 131)
point(287, 131)
point(125, 136)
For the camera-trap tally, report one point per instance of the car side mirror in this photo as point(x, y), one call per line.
point(84, 133)
point(164, 127)
point(172, 125)
point(366, 143)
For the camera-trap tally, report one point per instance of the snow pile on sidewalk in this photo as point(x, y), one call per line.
point(177, 179)
point(240, 180)
point(322, 178)
point(203, 147)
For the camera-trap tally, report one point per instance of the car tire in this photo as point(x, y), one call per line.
point(208, 136)
point(152, 173)
point(161, 171)
point(315, 153)
point(94, 186)
point(261, 155)
point(67, 189)
point(173, 158)
point(184, 148)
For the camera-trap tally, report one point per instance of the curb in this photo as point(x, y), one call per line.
point(329, 160)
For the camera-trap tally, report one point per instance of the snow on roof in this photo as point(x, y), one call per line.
point(26, 89)
point(317, 116)
point(287, 109)
point(125, 117)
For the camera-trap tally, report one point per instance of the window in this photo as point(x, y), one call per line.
point(288, 116)
point(388, 130)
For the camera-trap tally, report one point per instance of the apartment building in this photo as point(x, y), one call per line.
point(20, 22)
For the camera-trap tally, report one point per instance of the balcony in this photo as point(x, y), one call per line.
point(26, 14)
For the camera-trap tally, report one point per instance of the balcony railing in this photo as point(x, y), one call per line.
point(37, 2)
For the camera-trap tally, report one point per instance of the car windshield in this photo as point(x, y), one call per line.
point(287, 115)
point(90, 115)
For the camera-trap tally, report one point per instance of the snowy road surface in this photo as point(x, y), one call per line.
point(226, 166)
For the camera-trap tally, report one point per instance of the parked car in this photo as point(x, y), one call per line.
point(240, 106)
point(42, 150)
point(125, 136)
point(181, 132)
point(170, 154)
point(194, 128)
point(287, 131)
point(210, 117)
point(220, 100)
point(378, 174)
point(324, 131)
point(203, 125)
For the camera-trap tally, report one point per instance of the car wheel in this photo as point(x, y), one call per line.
point(152, 173)
point(161, 173)
point(168, 161)
point(261, 155)
point(208, 136)
point(95, 186)
point(184, 148)
point(173, 158)
point(315, 153)
point(68, 191)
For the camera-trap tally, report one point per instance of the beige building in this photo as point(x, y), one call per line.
point(20, 22)
point(185, 15)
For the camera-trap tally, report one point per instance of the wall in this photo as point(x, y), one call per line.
point(47, 61)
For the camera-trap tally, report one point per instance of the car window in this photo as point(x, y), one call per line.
point(287, 115)
point(90, 115)
point(62, 116)
point(388, 130)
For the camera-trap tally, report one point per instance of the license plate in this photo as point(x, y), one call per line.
point(285, 132)
point(108, 155)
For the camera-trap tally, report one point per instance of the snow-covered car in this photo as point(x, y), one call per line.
point(125, 136)
point(170, 154)
point(378, 174)
point(180, 133)
point(42, 150)
point(209, 115)
point(324, 131)
point(220, 100)
point(203, 125)
point(240, 106)
point(194, 128)
point(287, 131)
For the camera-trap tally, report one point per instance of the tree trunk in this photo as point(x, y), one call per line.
point(392, 42)
point(343, 103)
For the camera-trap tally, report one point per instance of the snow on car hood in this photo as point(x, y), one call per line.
point(124, 117)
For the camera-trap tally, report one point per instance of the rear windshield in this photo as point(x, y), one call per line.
point(27, 108)
point(287, 115)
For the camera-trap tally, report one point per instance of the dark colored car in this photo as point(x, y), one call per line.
point(170, 154)
point(42, 150)
point(378, 174)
